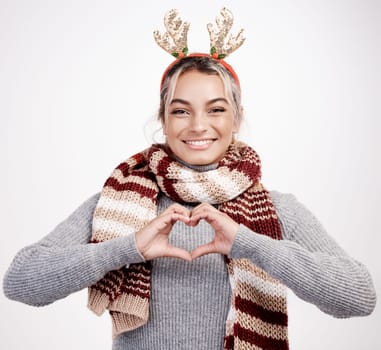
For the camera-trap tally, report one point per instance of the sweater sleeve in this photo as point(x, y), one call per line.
point(309, 261)
point(64, 261)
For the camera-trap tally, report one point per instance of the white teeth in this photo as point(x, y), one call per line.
point(198, 142)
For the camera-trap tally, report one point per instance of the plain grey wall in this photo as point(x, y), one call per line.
point(80, 79)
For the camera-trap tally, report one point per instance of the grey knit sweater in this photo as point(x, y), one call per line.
point(190, 300)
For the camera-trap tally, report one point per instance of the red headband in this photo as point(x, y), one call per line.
point(227, 66)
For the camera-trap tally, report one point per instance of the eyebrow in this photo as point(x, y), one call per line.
point(185, 102)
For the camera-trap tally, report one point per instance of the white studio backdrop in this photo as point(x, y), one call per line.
point(79, 81)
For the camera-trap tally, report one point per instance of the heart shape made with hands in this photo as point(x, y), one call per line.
point(152, 241)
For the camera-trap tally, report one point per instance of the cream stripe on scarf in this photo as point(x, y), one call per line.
point(266, 286)
point(261, 327)
point(123, 207)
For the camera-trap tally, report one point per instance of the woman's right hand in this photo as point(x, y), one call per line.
point(152, 240)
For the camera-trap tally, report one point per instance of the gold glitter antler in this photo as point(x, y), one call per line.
point(174, 40)
point(220, 46)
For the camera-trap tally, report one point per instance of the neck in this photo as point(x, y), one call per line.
point(200, 168)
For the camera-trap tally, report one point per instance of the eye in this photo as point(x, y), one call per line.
point(179, 112)
point(217, 110)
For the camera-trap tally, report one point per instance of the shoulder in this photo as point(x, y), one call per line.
point(292, 214)
point(88, 206)
point(83, 214)
point(282, 200)
point(286, 204)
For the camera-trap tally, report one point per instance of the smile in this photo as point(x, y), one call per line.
point(199, 142)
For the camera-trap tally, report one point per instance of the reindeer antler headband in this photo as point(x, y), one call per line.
point(222, 44)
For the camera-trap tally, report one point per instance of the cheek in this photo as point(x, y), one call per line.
point(174, 126)
point(170, 130)
point(228, 128)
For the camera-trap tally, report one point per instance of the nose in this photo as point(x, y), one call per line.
point(198, 122)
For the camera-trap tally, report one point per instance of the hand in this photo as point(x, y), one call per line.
point(225, 230)
point(152, 240)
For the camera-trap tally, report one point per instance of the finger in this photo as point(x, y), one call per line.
point(177, 208)
point(170, 218)
point(175, 252)
point(204, 209)
point(206, 215)
point(203, 250)
point(179, 217)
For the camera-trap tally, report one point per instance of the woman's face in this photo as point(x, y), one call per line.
point(199, 123)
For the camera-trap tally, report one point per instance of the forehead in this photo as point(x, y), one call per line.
point(198, 85)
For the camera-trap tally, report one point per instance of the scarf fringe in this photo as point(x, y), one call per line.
point(134, 317)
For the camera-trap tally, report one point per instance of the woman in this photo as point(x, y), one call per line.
point(184, 246)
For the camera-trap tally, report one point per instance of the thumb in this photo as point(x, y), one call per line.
point(174, 252)
point(203, 250)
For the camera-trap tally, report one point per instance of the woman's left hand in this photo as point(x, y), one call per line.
point(225, 230)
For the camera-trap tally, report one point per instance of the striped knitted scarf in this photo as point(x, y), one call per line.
point(257, 318)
